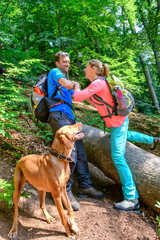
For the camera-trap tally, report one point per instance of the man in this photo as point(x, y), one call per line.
point(60, 115)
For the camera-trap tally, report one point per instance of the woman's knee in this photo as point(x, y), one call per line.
point(119, 160)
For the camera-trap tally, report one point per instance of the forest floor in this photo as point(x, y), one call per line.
point(96, 219)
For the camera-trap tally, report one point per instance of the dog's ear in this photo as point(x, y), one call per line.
point(67, 142)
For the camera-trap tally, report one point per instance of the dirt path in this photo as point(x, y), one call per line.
point(96, 219)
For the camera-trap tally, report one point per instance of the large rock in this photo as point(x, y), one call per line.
point(144, 166)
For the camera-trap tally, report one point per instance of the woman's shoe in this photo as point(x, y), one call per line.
point(128, 206)
point(153, 146)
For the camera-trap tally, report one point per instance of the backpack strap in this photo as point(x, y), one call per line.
point(102, 102)
point(59, 101)
point(99, 99)
point(59, 88)
point(109, 89)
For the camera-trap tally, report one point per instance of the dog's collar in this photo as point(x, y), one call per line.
point(60, 156)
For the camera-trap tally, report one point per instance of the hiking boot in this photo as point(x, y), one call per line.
point(75, 205)
point(156, 140)
point(90, 193)
point(128, 206)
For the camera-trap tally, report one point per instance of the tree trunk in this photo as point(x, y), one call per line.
point(145, 167)
point(59, 30)
point(150, 85)
point(147, 74)
point(151, 28)
point(157, 58)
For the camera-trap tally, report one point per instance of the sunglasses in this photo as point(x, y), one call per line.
point(64, 54)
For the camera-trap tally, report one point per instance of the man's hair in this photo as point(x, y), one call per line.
point(58, 54)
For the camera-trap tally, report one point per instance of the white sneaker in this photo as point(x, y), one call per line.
point(132, 205)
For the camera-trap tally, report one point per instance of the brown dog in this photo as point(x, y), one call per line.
point(49, 173)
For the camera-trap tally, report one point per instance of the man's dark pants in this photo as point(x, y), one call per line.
point(80, 165)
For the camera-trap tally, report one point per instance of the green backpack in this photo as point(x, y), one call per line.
point(122, 97)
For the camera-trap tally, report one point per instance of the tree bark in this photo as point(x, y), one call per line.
point(150, 84)
point(145, 167)
point(147, 75)
point(59, 30)
point(151, 27)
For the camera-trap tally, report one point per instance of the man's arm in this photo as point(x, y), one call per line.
point(66, 83)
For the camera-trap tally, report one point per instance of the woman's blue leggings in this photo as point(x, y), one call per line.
point(119, 136)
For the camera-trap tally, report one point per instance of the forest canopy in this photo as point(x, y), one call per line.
point(124, 34)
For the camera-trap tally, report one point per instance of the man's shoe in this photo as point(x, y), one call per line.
point(90, 193)
point(128, 206)
point(156, 140)
point(75, 205)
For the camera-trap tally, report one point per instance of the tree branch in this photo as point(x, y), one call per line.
point(147, 104)
point(5, 9)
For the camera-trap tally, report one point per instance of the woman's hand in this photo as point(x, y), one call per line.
point(76, 85)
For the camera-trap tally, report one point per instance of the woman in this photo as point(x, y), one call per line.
point(94, 70)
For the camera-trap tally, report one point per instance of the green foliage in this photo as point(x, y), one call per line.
point(158, 218)
point(46, 135)
point(32, 32)
point(24, 72)
point(12, 104)
point(13, 83)
point(6, 193)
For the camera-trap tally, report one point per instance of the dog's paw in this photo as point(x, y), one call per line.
point(74, 228)
point(50, 220)
point(71, 231)
point(12, 235)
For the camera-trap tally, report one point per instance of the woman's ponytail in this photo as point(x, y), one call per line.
point(101, 69)
point(105, 71)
